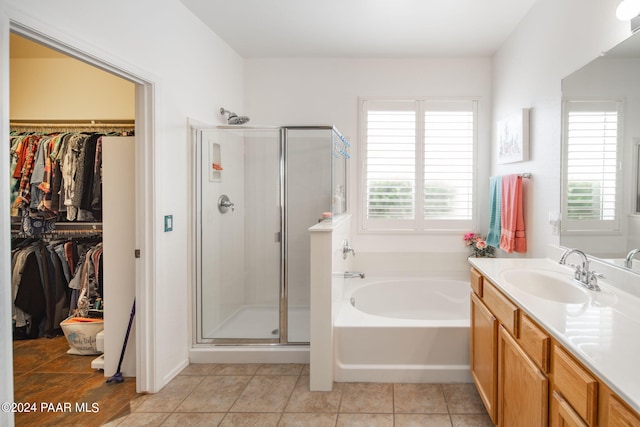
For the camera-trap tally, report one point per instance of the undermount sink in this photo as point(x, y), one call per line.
point(547, 284)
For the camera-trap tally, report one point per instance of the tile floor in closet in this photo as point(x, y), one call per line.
point(236, 395)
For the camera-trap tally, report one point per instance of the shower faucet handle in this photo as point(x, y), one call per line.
point(346, 249)
point(224, 204)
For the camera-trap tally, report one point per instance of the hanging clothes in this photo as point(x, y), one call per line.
point(56, 177)
point(28, 294)
point(47, 279)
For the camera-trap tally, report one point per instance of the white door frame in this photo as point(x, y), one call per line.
point(11, 21)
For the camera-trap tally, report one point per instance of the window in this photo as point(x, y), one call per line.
point(591, 196)
point(418, 167)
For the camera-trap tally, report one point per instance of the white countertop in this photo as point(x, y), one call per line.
point(606, 339)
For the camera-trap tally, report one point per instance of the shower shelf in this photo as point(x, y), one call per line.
point(215, 174)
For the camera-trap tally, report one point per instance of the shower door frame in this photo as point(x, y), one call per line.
point(282, 340)
point(284, 233)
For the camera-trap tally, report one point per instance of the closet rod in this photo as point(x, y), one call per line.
point(90, 226)
point(67, 226)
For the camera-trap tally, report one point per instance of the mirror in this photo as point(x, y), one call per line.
point(600, 155)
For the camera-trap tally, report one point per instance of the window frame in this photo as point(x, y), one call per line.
point(418, 223)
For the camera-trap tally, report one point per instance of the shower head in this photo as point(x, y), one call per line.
point(233, 118)
point(238, 120)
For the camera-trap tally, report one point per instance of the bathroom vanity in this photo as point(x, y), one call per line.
point(552, 355)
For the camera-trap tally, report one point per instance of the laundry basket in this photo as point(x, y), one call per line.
point(81, 334)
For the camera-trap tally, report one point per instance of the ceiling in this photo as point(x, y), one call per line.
point(361, 28)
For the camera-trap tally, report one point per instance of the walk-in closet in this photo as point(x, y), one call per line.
point(72, 215)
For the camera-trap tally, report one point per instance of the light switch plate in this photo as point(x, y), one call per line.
point(168, 223)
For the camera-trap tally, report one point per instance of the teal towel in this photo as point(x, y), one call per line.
point(495, 201)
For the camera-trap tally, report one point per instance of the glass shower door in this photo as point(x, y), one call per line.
point(239, 236)
point(308, 194)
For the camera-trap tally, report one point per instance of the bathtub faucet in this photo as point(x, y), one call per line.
point(353, 275)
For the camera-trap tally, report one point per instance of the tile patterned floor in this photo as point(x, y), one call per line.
point(278, 395)
point(231, 395)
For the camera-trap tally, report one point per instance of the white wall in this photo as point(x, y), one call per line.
point(195, 73)
point(6, 342)
point(554, 39)
point(326, 91)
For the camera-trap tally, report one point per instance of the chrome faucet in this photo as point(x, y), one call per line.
point(353, 275)
point(628, 261)
point(565, 255)
point(346, 249)
point(582, 275)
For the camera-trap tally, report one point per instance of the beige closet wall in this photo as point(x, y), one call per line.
point(46, 85)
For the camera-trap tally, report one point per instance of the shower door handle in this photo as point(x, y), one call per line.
point(224, 204)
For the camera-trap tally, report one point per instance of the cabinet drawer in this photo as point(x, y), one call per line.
point(535, 342)
point(476, 282)
point(577, 386)
point(504, 310)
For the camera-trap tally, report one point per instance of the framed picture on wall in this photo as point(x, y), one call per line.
point(513, 137)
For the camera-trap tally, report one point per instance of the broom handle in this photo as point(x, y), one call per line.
point(126, 336)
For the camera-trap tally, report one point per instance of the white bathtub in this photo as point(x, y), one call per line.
point(405, 329)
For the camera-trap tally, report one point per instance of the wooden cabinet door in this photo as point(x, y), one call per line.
point(620, 416)
point(562, 414)
point(523, 390)
point(484, 341)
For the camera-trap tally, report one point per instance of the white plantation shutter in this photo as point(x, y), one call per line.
point(391, 161)
point(418, 168)
point(591, 196)
point(448, 160)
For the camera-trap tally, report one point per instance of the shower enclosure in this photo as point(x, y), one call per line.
point(258, 190)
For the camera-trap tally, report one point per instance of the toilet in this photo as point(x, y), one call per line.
point(81, 334)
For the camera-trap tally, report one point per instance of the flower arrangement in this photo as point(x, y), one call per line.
point(479, 245)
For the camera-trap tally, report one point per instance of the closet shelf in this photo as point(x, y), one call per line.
point(53, 126)
point(73, 123)
point(67, 227)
